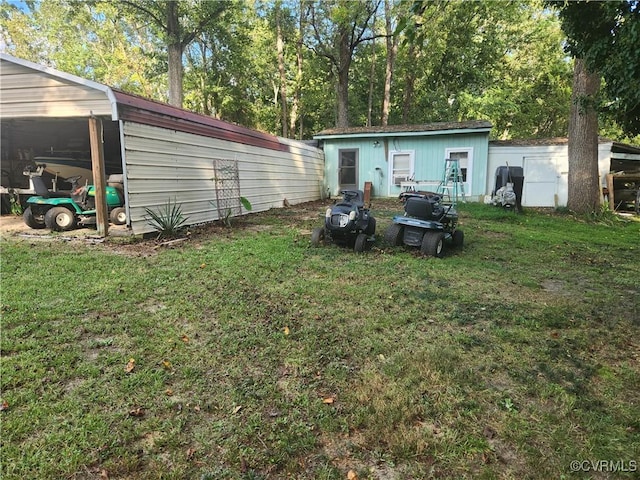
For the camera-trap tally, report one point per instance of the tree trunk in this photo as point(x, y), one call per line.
point(583, 182)
point(372, 82)
point(392, 50)
point(343, 81)
point(293, 116)
point(410, 80)
point(175, 50)
point(284, 116)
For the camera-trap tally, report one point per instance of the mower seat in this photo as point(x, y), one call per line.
point(42, 190)
point(353, 197)
point(419, 208)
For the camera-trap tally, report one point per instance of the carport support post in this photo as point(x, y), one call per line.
point(99, 182)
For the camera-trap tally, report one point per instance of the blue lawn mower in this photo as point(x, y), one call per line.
point(427, 223)
point(348, 222)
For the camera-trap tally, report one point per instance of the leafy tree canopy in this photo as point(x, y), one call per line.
point(606, 35)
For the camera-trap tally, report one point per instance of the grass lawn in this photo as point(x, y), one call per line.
point(245, 353)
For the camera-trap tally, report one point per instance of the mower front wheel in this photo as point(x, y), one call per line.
point(457, 239)
point(371, 226)
point(393, 235)
point(60, 219)
point(31, 220)
point(118, 216)
point(433, 244)
point(360, 244)
point(317, 236)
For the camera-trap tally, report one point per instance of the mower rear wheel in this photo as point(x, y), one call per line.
point(360, 244)
point(118, 216)
point(60, 219)
point(31, 220)
point(393, 235)
point(457, 239)
point(433, 244)
point(317, 236)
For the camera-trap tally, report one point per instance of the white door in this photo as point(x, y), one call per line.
point(540, 182)
point(465, 163)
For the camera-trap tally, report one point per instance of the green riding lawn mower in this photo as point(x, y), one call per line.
point(63, 211)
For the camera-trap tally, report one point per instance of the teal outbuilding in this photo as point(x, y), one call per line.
point(398, 157)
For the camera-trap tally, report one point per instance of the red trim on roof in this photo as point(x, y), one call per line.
point(148, 112)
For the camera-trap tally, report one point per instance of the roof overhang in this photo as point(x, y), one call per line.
point(402, 134)
point(429, 129)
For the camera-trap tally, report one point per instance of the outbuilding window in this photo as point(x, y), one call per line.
point(401, 166)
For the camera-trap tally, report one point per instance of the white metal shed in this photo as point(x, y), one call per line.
point(165, 153)
point(545, 163)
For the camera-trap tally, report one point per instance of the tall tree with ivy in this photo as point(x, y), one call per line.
point(603, 39)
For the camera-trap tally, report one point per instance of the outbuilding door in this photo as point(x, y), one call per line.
point(540, 182)
point(348, 169)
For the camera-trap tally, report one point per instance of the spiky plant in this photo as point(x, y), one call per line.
point(168, 220)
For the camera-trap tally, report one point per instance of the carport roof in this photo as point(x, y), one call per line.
point(129, 107)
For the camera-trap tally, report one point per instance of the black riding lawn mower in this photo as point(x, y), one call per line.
point(347, 223)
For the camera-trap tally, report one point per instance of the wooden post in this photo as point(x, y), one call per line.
point(367, 192)
point(611, 199)
point(99, 181)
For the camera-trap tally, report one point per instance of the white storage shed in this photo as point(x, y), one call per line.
point(545, 163)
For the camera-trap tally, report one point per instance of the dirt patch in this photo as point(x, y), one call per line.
point(303, 217)
point(14, 226)
point(120, 240)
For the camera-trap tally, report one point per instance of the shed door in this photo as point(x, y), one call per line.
point(348, 169)
point(540, 182)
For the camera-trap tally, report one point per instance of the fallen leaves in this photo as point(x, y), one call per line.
point(351, 475)
point(286, 330)
point(190, 453)
point(137, 412)
point(131, 364)
point(4, 406)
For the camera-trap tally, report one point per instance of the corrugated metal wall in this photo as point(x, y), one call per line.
point(166, 165)
point(25, 94)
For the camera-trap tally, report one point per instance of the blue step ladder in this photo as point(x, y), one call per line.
point(452, 185)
